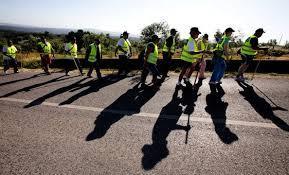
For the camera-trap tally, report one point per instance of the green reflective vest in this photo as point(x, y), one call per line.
point(153, 57)
point(11, 51)
point(186, 56)
point(46, 48)
point(72, 49)
point(247, 47)
point(219, 49)
point(204, 47)
point(173, 47)
point(93, 52)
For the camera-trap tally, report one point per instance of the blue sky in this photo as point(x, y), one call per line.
point(133, 15)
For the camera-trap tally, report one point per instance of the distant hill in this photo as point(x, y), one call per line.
point(34, 29)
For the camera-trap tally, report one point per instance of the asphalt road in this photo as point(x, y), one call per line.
point(75, 125)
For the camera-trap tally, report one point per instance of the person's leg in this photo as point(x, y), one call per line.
point(14, 64)
point(126, 65)
point(216, 70)
point(165, 64)
point(191, 70)
point(121, 64)
point(78, 65)
point(144, 74)
point(184, 70)
point(6, 64)
point(97, 69)
point(243, 66)
point(223, 67)
point(202, 69)
point(90, 65)
point(154, 70)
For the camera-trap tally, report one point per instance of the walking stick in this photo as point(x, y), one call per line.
point(77, 66)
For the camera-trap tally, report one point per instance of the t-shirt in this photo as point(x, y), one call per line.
point(191, 46)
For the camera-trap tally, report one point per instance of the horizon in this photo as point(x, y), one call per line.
point(86, 15)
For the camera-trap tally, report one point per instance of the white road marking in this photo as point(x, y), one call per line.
point(143, 114)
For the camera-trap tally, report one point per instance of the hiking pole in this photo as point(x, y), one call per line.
point(77, 66)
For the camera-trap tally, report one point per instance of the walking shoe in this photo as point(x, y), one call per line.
point(89, 76)
point(213, 83)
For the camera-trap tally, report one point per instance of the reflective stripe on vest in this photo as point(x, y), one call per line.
point(93, 52)
point(186, 56)
point(72, 48)
point(153, 57)
point(11, 51)
point(247, 47)
point(173, 47)
point(46, 48)
point(204, 47)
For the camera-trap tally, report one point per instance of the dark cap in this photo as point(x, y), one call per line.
point(125, 33)
point(206, 36)
point(260, 30)
point(229, 30)
point(195, 29)
point(155, 37)
point(173, 30)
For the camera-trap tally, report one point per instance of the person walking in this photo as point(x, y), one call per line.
point(46, 53)
point(150, 61)
point(168, 51)
point(124, 47)
point(249, 51)
point(71, 50)
point(10, 57)
point(221, 53)
point(93, 56)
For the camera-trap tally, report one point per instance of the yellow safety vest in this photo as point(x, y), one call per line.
point(173, 47)
point(186, 56)
point(72, 48)
point(126, 45)
point(204, 47)
point(247, 47)
point(219, 49)
point(153, 57)
point(11, 51)
point(46, 48)
point(93, 52)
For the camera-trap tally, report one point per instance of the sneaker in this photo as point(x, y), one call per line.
point(213, 82)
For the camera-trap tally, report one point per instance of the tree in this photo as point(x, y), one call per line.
point(272, 42)
point(161, 29)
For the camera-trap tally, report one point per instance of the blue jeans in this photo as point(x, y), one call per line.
point(219, 69)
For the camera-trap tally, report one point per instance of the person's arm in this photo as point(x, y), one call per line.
point(255, 45)
point(87, 53)
point(169, 43)
point(192, 48)
point(150, 49)
point(226, 50)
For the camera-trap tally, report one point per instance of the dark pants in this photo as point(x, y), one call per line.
point(94, 65)
point(70, 64)
point(167, 59)
point(123, 64)
point(148, 67)
point(9, 61)
point(219, 69)
point(45, 61)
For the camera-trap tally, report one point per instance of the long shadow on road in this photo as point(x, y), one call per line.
point(94, 86)
point(261, 106)
point(166, 123)
point(127, 104)
point(22, 79)
point(216, 107)
point(29, 88)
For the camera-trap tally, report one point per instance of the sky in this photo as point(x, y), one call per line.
point(133, 15)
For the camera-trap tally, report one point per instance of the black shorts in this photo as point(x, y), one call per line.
point(185, 64)
point(247, 58)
